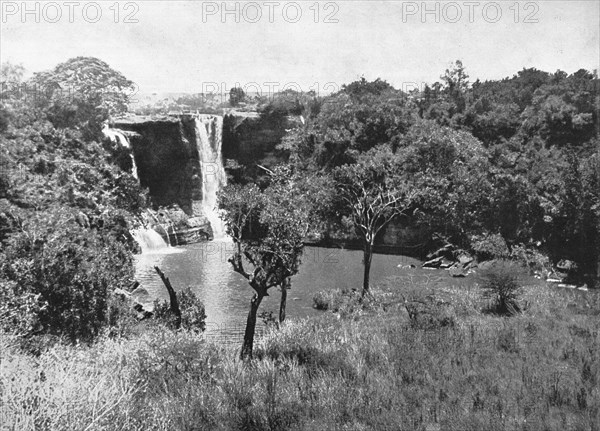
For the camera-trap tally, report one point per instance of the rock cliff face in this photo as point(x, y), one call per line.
point(166, 151)
point(166, 155)
point(404, 240)
point(249, 138)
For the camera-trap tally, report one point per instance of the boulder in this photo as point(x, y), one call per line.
point(194, 235)
point(140, 300)
point(446, 251)
point(141, 295)
point(556, 277)
point(433, 263)
point(566, 266)
point(193, 222)
point(465, 259)
point(446, 264)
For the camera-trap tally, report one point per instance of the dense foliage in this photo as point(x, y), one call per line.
point(82, 91)
point(513, 162)
point(64, 203)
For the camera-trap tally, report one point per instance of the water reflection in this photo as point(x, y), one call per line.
point(226, 294)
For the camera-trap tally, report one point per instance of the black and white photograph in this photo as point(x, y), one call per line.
point(311, 215)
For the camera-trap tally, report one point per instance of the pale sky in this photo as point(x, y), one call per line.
point(183, 46)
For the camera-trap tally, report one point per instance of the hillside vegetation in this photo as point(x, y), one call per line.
point(446, 364)
point(504, 171)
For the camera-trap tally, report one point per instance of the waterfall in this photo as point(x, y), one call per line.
point(148, 237)
point(209, 132)
point(149, 240)
point(117, 136)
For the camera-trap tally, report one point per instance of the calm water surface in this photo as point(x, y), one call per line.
point(226, 294)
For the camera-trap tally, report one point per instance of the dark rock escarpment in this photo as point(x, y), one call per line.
point(166, 155)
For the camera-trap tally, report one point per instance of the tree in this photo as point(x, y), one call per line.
point(295, 204)
point(456, 80)
point(83, 91)
point(364, 89)
point(373, 194)
point(282, 216)
point(347, 126)
point(448, 170)
point(11, 105)
point(59, 276)
point(236, 95)
point(64, 210)
point(238, 205)
point(11, 74)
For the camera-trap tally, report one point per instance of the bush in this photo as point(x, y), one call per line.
point(323, 300)
point(489, 246)
point(121, 320)
point(58, 277)
point(426, 310)
point(535, 261)
point(346, 303)
point(193, 314)
point(431, 315)
point(502, 283)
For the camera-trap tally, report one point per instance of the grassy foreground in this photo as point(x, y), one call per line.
point(444, 365)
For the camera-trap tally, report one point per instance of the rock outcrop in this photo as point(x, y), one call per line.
point(458, 262)
point(167, 160)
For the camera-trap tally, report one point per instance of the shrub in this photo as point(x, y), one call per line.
point(59, 276)
point(489, 246)
point(193, 315)
point(19, 312)
point(431, 314)
point(346, 303)
point(121, 320)
point(531, 258)
point(323, 300)
point(502, 283)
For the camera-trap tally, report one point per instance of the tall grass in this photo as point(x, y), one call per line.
point(539, 370)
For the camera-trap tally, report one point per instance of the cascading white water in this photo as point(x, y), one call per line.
point(209, 131)
point(119, 137)
point(149, 240)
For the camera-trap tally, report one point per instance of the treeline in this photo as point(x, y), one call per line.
point(494, 165)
